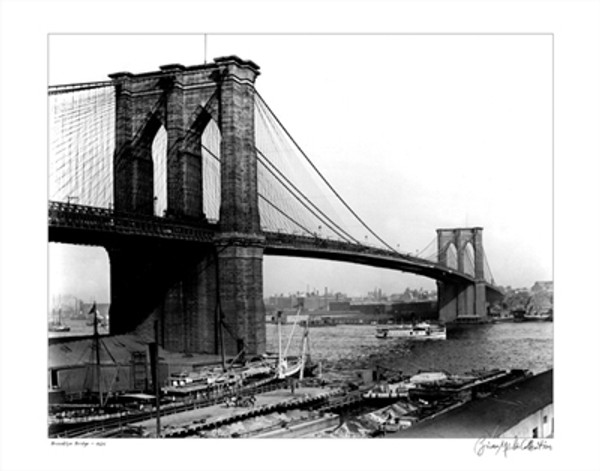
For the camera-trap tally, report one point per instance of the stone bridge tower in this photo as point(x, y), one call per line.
point(467, 301)
point(184, 286)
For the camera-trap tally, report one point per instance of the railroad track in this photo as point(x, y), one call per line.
point(108, 427)
point(346, 402)
point(312, 402)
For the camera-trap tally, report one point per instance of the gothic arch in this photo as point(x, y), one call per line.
point(451, 256)
point(468, 258)
point(159, 171)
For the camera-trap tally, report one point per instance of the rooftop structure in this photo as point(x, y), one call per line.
point(523, 410)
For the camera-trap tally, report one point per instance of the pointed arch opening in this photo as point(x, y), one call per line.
point(79, 290)
point(451, 256)
point(202, 153)
point(159, 165)
point(469, 259)
point(211, 175)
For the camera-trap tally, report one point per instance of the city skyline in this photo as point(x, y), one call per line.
point(312, 291)
point(454, 131)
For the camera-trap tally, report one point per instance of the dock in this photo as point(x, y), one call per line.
point(192, 422)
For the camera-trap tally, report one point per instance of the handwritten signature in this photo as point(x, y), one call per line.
point(503, 446)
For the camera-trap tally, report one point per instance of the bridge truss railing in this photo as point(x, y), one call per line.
point(75, 216)
point(280, 238)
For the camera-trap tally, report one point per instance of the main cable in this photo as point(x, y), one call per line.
point(322, 176)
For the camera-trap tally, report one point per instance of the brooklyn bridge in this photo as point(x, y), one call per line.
point(188, 179)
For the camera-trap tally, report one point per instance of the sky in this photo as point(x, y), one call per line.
point(416, 132)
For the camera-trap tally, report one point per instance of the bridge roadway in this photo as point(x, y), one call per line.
point(87, 225)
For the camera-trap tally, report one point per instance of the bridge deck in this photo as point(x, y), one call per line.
point(72, 223)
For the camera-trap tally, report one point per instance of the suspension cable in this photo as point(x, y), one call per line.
point(284, 214)
point(292, 193)
point(347, 237)
point(322, 177)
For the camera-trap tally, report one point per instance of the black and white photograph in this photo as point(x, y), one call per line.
point(240, 250)
point(250, 236)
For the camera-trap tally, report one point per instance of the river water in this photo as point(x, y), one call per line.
point(343, 349)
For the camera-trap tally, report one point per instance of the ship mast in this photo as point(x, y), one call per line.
point(219, 312)
point(97, 345)
point(156, 382)
point(279, 351)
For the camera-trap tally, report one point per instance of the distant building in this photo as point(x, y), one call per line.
point(542, 286)
point(417, 311)
point(535, 302)
point(370, 308)
point(310, 301)
point(413, 295)
point(335, 306)
point(541, 303)
point(516, 300)
point(286, 316)
point(279, 302)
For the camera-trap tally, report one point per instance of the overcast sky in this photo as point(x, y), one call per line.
point(416, 132)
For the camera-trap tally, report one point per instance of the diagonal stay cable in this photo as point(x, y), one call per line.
point(322, 177)
point(283, 213)
point(427, 248)
point(485, 259)
point(293, 194)
point(340, 232)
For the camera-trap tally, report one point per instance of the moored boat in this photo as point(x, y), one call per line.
point(59, 328)
point(56, 325)
point(301, 366)
point(537, 315)
point(384, 391)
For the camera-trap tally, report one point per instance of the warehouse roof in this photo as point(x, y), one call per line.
point(118, 349)
point(490, 416)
